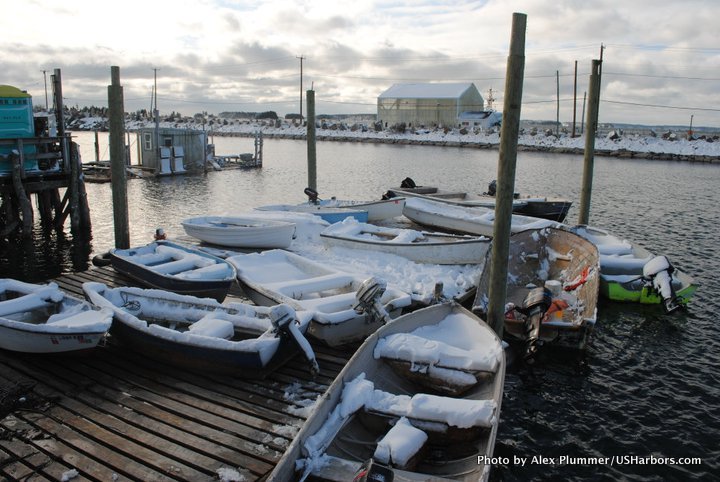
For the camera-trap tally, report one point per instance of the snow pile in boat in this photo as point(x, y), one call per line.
point(455, 342)
point(351, 227)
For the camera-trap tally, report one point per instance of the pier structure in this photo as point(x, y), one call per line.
point(38, 157)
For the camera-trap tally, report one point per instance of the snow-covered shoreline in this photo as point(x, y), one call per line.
point(669, 146)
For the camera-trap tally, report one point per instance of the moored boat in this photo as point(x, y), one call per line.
point(45, 319)
point(327, 213)
point(418, 246)
point(419, 400)
point(552, 289)
point(240, 231)
point(554, 209)
point(377, 210)
point(345, 306)
point(202, 334)
point(629, 272)
point(173, 267)
point(464, 219)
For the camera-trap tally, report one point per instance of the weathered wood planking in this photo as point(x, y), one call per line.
point(113, 414)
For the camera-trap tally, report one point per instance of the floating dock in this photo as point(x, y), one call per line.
point(112, 414)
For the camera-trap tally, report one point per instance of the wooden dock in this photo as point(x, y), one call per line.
point(113, 414)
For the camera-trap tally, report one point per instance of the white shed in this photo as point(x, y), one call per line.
point(428, 105)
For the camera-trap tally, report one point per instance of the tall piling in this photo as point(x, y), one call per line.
point(311, 144)
point(506, 174)
point(590, 130)
point(117, 159)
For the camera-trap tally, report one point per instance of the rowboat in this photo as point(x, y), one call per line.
point(631, 273)
point(346, 307)
point(377, 210)
point(202, 334)
point(418, 246)
point(419, 400)
point(464, 219)
point(172, 267)
point(240, 232)
point(44, 319)
point(554, 209)
point(552, 290)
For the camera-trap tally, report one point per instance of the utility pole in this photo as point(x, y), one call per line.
point(557, 97)
point(156, 116)
point(574, 100)
point(47, 107)
point(301, 86)
point(589, 159)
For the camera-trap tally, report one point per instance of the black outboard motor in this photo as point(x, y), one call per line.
point(492, 188)
point(312, 195)
point(368, 300)
point(371, 471)
point(657, 273)
point(388, 195)
point(408, 183)
point(535, 305)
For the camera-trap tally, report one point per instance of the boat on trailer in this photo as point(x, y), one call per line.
point(202, 334)
point(419, 400)
point(44, 319)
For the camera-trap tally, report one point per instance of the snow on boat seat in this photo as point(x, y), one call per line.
point(400, 444)
point(87, 318)
point(32, 301)
point(185, 264)
point(453, 412)
point(419, 350)
point(151, 259)
point(300, 288)
point(213, 272)
point(623, 264)
point(214, 327)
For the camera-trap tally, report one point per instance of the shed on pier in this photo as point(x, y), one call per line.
point(172, 151)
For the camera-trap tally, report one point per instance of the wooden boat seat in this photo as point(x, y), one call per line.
point(152, 259)
point(400, 445)
point(213, 327)
point(24, 303)
point(181, 265)
point(213, 271)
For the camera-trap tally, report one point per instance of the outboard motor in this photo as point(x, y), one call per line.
point(368, 300)
point(408, 183)
point(492, 188)
point(388, 195)
point(282, 318)
point(534, 306)
point(312, 195)
point(371, 471)
point(658, 274)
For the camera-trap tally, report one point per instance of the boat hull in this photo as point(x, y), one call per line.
point(377, 210)
point(123, 262)
point(24, 341)
point(239, 232)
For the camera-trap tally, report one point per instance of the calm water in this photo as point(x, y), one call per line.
point(649, 384)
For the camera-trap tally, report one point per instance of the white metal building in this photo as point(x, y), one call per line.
point(428, 105)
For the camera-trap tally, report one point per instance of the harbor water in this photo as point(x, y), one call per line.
point(645, 396)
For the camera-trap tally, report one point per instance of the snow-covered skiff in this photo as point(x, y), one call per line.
point(278, 276)
point(418, 246)
point(202, 334)
point(240, 231)
point(419, 400)
point(44, 319)
point(172, 267)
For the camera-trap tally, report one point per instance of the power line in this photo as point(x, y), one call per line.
point(707, 109)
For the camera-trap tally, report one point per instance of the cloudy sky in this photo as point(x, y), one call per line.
point(661, 57)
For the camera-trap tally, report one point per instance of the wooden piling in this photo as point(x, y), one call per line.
point(589, 161)
point(311, 147)
point(506, 174)
point(117, 160)
point(21, 194)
